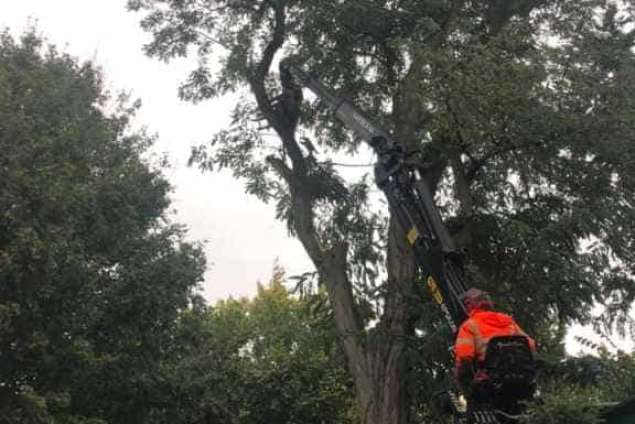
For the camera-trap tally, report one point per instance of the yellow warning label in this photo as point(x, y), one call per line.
point(413, 235)
point(434, 290)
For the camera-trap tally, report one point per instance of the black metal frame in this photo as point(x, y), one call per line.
point(407, 190)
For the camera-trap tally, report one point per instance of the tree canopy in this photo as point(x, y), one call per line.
point(273, 358)
point(93, 274)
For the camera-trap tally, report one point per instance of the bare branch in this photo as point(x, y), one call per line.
point(349, 165)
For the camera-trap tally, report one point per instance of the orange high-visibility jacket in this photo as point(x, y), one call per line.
point(478, 329)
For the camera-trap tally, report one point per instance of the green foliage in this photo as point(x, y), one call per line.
point(563, 403)
point(582, 389)
point(620, 382)
point(92, 276)
point(523, 113)
point(264, 360)
point(612, 373)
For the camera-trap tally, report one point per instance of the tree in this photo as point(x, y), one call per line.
point(273, 358)
point(523, 112)
point(586, 389)
point(93, 274)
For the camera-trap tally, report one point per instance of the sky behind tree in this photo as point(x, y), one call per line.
point(243, 238)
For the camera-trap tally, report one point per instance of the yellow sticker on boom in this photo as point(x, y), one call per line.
point(413, 235)
point(434, 290)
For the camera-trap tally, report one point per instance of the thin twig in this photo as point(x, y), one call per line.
point(212, 39)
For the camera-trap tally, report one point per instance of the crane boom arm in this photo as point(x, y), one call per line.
point(408, 192)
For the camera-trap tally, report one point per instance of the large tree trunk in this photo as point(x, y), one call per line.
point(376, 359)
point(375, 356)
point(386, 353)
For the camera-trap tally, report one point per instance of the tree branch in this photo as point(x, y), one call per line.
point(479, 163)
point(333, 271)
point(257, 80)
point(257, 84)
point(331, 263)
point(332, 267)
point(212, 39)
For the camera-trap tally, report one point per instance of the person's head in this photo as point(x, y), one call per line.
point(476, 299)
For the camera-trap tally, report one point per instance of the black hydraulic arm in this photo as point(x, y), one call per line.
point(408, 193)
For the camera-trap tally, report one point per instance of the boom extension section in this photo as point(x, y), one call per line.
point(404, 183)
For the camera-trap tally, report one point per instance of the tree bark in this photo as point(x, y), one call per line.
point(388, 356)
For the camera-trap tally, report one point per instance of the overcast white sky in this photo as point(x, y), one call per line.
point(243, 237)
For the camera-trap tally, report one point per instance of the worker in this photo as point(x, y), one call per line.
point(473, 337)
